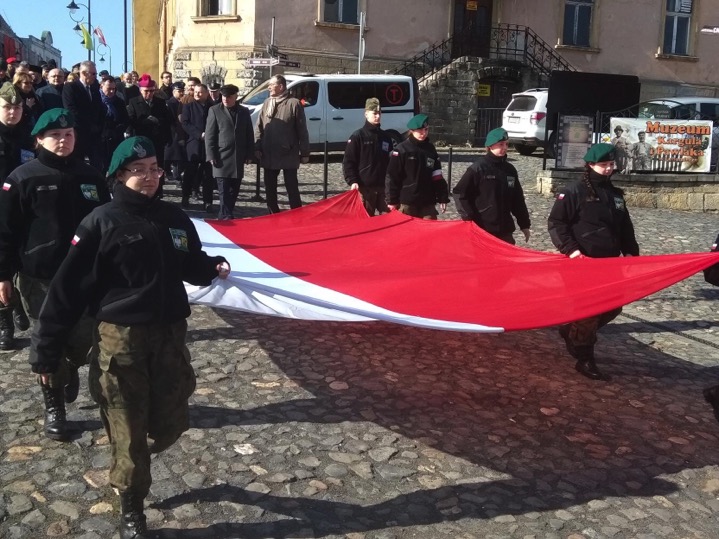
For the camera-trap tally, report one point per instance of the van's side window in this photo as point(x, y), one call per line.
point(353, 95)
point(307, 92)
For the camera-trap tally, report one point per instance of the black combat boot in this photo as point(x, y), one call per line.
point(22, 323)
point(586, 365)
point(7, 330)
point(133, 524)
point(55, 422)
point(711, 395)
point(73, 386)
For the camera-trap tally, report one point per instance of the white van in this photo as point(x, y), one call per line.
point(681, 108)
point(334, 104)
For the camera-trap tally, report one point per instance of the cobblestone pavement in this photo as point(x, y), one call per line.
point(311, 429)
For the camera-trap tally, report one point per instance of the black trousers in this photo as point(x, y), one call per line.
point(198, 172)
point(228, 188)
point(291, 184)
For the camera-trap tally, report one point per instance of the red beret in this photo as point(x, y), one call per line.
point(146, 81)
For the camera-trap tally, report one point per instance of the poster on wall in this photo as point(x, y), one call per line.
point(574, 137)
point(658, 145)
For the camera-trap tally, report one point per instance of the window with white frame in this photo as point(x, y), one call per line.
point(676, 27)
point(577, 22)
point(344, 11)
point(209, 8)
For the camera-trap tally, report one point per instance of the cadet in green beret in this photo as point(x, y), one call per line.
point(366, 159)
point(489, 192)
point(590, 218)
point(126, 268)
point(16, 147)
point(41, 204)
point(415, 183)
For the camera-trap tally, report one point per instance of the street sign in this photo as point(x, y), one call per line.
point(280, 55)
point(287, 63)
point(261, 62)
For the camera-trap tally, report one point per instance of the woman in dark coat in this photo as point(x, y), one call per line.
point(590, 218)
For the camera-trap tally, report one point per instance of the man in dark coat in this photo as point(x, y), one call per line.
point(229, 143)
point(82, 98)
point(194, 120)
point(150, 117)
point(175, 157)
point(50, 95)
point(117, 121)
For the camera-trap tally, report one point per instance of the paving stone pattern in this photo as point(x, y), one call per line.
point(311, 429)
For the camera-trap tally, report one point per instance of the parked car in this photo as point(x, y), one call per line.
point(334, 104)
point(524, 120)
point(681, 108)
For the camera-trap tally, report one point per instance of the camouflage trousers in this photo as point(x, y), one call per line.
point(32, 293)
point(582, 334)
point(142, 379)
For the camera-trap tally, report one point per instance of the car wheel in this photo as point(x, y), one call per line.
point(524, 149)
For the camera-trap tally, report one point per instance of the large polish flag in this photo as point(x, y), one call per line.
point(330, 261)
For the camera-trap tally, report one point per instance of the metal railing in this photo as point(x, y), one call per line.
point(502, 41)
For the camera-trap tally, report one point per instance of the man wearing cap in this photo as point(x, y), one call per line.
point(366, 159)
point(41, 204)
point(641, 153)
point(16, 147)
point(415, 183)
point(282, 142)
point(229, 145)
point(12, 65)
point(175, 157)
point(489, 192)
point(150, 117)
point(50, 95)
point(215, 96)
point(621, 149)
point(82, 98)
point(126, 268)
point(590, 218)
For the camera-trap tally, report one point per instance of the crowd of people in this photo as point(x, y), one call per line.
point(92, 255)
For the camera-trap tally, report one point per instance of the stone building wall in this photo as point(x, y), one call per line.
point(689, 192)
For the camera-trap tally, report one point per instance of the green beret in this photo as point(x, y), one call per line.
point(53, 119)
point(599, 153)
point(129, 150)
point(418, 122)
point(9, 93)
point(372, 104)
point(495, 136)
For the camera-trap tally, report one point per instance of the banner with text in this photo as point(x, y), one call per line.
point(661, 145)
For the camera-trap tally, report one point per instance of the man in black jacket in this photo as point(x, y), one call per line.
point(366, 159)
point(197, 171)
point(415, 183)
point(41, 204)
point(50, 95)
point(127, 267)
point(489, 192)
point(82, 98)
point(15, 148)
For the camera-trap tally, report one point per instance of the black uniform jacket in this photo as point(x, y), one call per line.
point(367, 156)
point(41, 204)
point(414, 175)
point(489, 193)
point(711, 274)
point(127, 265)
point(598, 228)
point(13, 140)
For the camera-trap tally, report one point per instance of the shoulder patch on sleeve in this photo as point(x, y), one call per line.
point(75, 239)
point(395, 153)
point(560, 196)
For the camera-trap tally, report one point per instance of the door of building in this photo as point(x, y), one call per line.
point(472, 28)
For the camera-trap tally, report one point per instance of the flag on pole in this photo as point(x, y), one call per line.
point(87, 39)
point(100, 36)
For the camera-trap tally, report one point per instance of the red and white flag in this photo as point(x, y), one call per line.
point(100, 36)
point(331, 261)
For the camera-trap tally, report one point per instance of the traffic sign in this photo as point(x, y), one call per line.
point(287, 63)
point(280, 55)
point(261, 62)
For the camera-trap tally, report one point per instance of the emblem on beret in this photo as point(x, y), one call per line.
point(139, 150)
point(62, 121)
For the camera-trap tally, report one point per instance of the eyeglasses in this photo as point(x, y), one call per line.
point(144, 173)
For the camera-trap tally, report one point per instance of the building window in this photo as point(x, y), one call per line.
point(676, 27)
point(344, 11)
point(577, 22)
point(211, 8)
